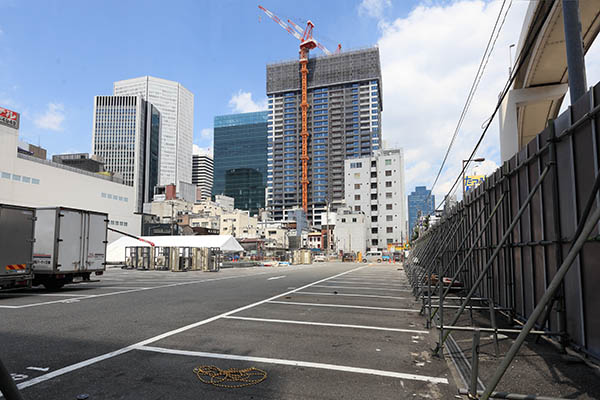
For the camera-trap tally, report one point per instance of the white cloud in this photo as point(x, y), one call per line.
point(242, 102)
point(197, 150)
point(373, 8)
point(429, 60)
point(206, 133)
point(53, 118)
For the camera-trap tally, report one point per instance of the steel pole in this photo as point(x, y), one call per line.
point(554, 285)
point(574, 45)
point(446, 242)
point(477, 238)
point(7, 385)
point(499, 247)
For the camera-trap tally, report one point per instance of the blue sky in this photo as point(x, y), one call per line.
point(58, 54)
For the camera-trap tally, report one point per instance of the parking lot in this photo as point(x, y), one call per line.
point(324, 331)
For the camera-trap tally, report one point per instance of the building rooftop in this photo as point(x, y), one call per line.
point(223, 121)
point(349, 66)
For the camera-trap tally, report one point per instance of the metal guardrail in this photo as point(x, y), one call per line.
point(69, 168)
point(525, 242)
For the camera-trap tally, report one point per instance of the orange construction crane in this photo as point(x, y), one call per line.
point(307, 43)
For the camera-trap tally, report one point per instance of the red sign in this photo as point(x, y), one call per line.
point(9, 118)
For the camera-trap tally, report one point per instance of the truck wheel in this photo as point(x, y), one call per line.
point(53, 284)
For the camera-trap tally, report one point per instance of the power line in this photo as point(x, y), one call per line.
point(482, 65)
point(519, 64)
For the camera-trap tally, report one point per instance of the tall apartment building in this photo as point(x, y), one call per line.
point(344, 94)
point(375, 186)
point(420, 201)
point(240, 156)
point(126, 136)
point(176, 106)
point(202, 174)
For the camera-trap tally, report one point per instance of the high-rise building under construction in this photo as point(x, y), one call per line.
point(344, 121)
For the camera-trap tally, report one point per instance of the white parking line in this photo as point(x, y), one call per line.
point(275, 277)
point(286, 321)
point(294, 363)
point(137, 289)
point(342, 306)
point(94, 360)
point(389, 281)
point(362, 288)
point(355, 295)
point(378, 284)
point(120, 287)
point(42, 294)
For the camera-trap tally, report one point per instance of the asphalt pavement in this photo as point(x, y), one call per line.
point(321, 331)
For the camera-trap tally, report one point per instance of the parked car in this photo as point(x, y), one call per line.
point(373, 256)
point(320, 258)
point(349, 257)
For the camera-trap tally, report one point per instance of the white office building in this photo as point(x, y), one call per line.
point(126, 134)
point(176, 106)
point(202, 174)
point(375, 186)
point(29, 181)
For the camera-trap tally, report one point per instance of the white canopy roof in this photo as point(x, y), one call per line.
point(115, 251)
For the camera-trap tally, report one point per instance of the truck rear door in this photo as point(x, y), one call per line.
point(70, 241)
point(16, 241)
point(96, 242)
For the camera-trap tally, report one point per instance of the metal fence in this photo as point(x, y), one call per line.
point(516, 236)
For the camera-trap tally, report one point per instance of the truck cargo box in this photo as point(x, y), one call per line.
point(17, 225)
point(69, 242)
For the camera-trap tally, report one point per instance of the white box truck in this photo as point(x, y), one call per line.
point(17, 226)
point(69, 243)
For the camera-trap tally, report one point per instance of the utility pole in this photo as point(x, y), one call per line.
point(327, 250)
point(172, 226)
point(574, 45)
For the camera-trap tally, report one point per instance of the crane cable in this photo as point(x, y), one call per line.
point(519, 64)
point(482, 65)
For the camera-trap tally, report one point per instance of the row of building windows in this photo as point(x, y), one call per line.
point(113, 197)
point(20, 178)
point(117, 223)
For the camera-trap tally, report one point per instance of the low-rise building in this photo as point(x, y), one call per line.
point(315, 240)
point(169, 210)
point(239, 224)
point(275, 235)
point(351, 231)
point(31, 181)
point(81, 161)
point(225, 201)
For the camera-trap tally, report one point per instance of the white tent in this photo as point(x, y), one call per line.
point(115, 251)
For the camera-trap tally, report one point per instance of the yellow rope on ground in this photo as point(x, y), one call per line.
point(229, 378)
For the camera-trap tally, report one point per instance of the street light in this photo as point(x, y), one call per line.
point(480, 159)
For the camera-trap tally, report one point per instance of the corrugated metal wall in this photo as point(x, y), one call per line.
point(527, 262)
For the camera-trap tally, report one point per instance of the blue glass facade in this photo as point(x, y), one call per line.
point(417, 201)
point(240, 159)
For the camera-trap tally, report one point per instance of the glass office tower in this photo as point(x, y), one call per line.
point(240, 159)
point(420, 200)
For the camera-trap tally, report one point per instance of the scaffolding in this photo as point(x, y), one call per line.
point(335, 69)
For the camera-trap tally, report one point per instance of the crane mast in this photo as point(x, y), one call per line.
point(307, 43)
